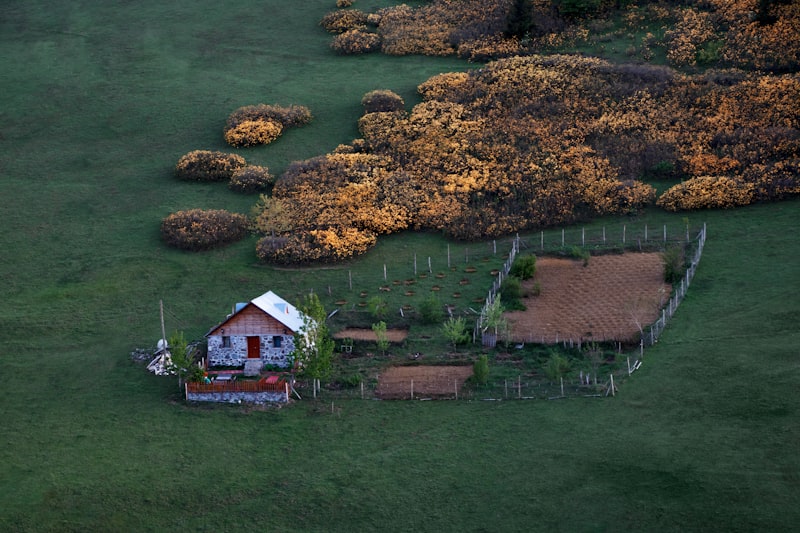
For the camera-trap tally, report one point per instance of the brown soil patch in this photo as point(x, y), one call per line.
point(428, 381)
point(602, 301)
point(363, 334)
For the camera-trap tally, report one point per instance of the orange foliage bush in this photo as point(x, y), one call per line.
point(344, 20)
point(356, 41)
point(198, 229)
point(205, 165)
point(707, 192)
point(327, 244)
point(261, 124)
point(253, 132)
point(684, 40)
point(382, 100)
point(250, 179)
point(536, 141)
point(491, 47)
point(292, 116)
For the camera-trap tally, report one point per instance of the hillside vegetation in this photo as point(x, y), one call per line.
point(101, 99)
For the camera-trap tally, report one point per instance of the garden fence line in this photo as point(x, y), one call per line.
point(680, 292)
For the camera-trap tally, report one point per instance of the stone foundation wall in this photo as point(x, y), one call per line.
point(237, 397)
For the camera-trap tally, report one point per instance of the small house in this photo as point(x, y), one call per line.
point(260, 330)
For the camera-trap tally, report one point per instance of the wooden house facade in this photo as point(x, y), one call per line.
point(260, 330)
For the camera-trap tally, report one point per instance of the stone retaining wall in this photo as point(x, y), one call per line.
point(237, 397)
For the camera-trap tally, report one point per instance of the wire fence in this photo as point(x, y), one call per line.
point(680, 292)
point(523, 387)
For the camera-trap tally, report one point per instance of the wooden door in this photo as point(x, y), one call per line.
point(253, 347)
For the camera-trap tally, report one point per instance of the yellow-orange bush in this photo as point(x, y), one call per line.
point(291, 116)
point(250, 179)
point(206, 165)
point(253, 132)
point(356, 41)
point(198, 229)
point(536, 141)
point(707, 192)
point(344, 20)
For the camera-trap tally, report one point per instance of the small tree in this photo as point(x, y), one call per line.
point(524, 267)
point(556, 367)
point(431, 310)
point(182, 360)
point(381, 339)
point(378, 307)
point(455, 331)
point(313, 347)
point(480, 370)
point(492, 319)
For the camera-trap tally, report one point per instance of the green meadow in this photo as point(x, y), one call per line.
point(99, 100)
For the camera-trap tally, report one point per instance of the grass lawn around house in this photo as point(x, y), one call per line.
point(100, 100)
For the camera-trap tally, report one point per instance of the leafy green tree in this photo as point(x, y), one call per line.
point(556, 366)
point(524, 267)
point(455, 331)
point(381, 339)
point(182, 360)
point(480, 370)
point(431, 310)
point(493, 317)
point(378, 307)
point(313, 347)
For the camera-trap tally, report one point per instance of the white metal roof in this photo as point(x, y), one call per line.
point(280, 310)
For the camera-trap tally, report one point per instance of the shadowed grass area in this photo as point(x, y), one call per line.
point(100, 99)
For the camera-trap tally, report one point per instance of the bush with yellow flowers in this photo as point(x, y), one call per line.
point(356, 41)
point(288, 117)
point(253, 133)
point(344, 20)
point(382, 100)
point(706, 192)
point(253, 125)
point(251, 179)
point(206, 165)
point(198, 229)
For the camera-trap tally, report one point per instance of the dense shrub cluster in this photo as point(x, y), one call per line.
point(253, 132)
point(707, 192)
point(356, 41)
point(205, 165)
point(753, 34)
point(198, 229)
point(382, 100)
point(251, 179)
point(261, 124)
point(344, 20)
point(536, 141)
point(438, 28)
point(289, 117)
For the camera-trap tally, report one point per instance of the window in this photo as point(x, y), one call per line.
point(276, 341)
point(226, 341)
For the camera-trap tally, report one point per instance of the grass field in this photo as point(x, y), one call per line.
point(100, 99)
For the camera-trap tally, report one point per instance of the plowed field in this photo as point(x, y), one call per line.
point(602, 301)
point(427, 381)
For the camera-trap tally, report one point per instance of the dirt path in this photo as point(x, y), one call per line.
point(601, 301)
